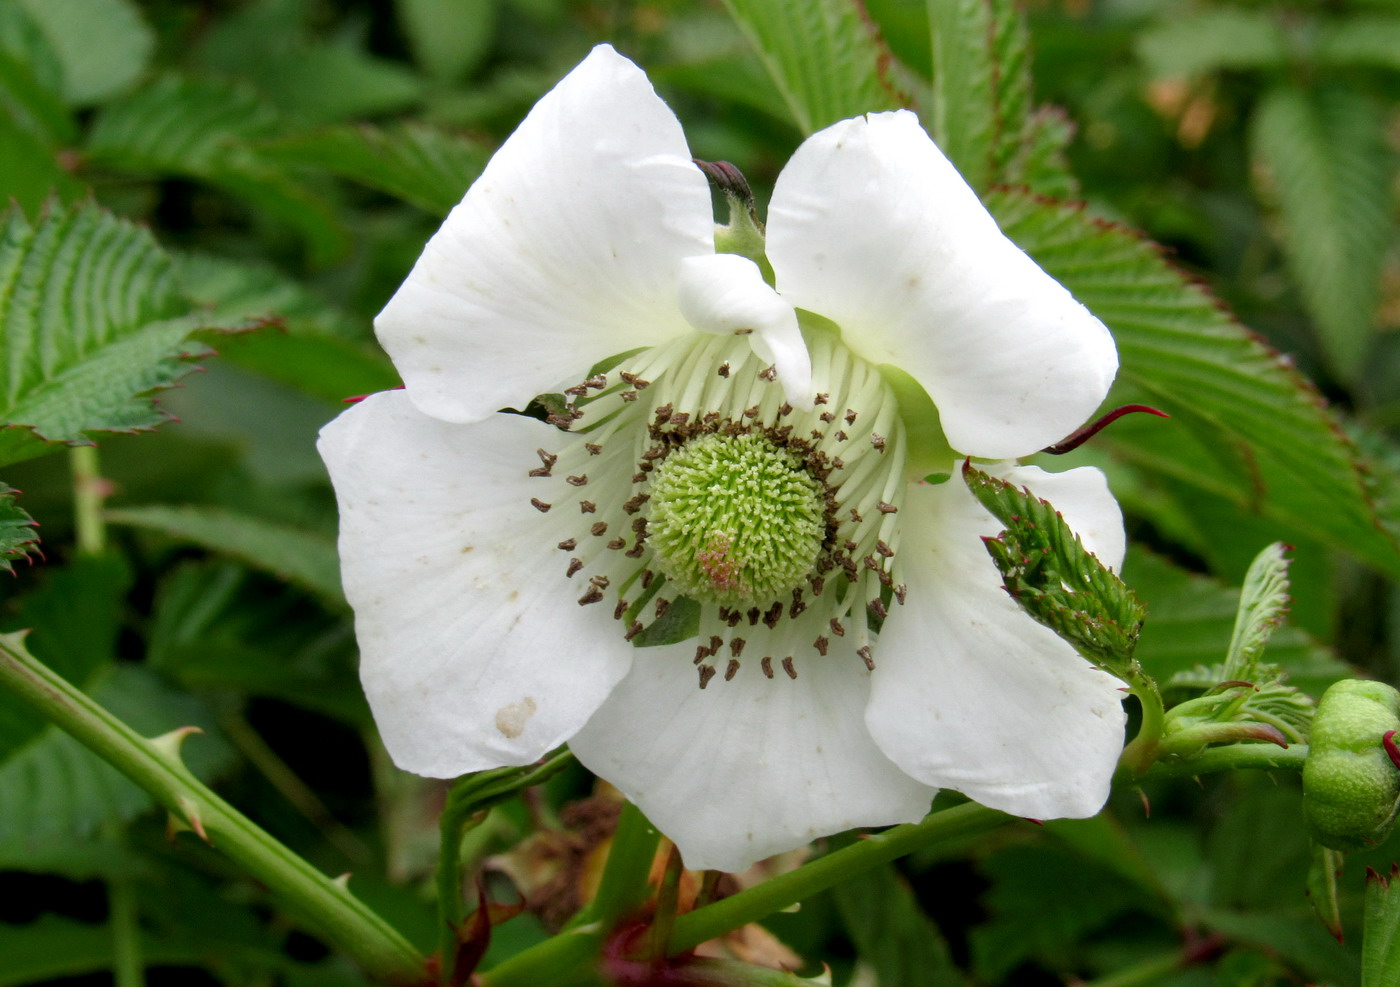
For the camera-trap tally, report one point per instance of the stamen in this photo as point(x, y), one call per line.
point(587, 507)
point(767, 665)
point(579, 481)
point(540, 505)
point(707, 672)
point(736, 646)
point(731, 670)
point(594, 595)
point(568, 544)
point(787, 667)
point(867, 657)
point(821, 644)
point(599, 528)
point(574, 566)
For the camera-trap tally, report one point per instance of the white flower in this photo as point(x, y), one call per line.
point(855, 649)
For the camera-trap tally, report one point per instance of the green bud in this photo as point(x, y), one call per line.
point(1351, 788)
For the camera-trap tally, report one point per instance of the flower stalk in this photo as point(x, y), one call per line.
point(325, 904)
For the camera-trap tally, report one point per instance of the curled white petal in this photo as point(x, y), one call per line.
point(472, 651)
point(972, 694)
point(563, 252)
point(872, 227)
point(726, 292)
point(748, 768)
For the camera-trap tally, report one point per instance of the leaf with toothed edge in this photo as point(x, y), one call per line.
point(1050, 574)
point(1380, 944)
point(18, 539)
point(90, 325)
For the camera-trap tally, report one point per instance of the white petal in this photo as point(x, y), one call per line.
point(872, 227)
point(748, 768)
point(972, 694)
point(473, 651)
point(724, 292)
point(565, 251)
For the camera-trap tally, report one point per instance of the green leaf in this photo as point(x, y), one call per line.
point(449, 38)
point(204, 130)
point(824, 56)
point(1358, 41)
point(1260, 436)
point(1380, 947)
point(30, 172)
point(1213, 40)
point(1192, 623)
point(1263, 604)
point(300, 557)
point(88, 329)
point(1050, 574)
point(1322, 152)
point(417, 163)
point(1323, 872)
point(102, 45)
point(17, 536)
point(891, 934)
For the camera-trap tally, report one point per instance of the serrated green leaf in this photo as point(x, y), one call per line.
point(420, 164)
point(54, 785)
point(823, 55)
point(891, 934)
point(1263, 604)
point(88, 329)
point(1192, 622)
point(1054, 578)
point(102, 45)
point(29, 104)
point(204, 130)
point(301, 557)
point(448, 37)
point(1182, 353)
point(1380, 945)
point(17, 535)
point(1213, 40)
point(1329, 171)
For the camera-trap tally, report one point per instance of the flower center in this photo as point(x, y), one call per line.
point(735, 519)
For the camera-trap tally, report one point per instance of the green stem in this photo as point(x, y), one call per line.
point(1233, 757)
point(128, 966)
point(1149, 971)
point(624, 886)
point(1141, 752)
point(569, 957)
point(787, 889)
point(89, 491)
point(326, 905)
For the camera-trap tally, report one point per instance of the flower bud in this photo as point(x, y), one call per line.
point(1351, 788)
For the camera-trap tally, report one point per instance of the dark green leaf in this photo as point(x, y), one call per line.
point(891, 934)
point(102, 45)
point(18, 539)
point(1380, 947)
point(824, 56)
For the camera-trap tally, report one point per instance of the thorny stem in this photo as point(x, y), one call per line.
point(326, 905)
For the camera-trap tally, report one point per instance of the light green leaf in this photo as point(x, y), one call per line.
point(17, 536)
point(300, 557)
point(1190, 623)
point(1323, 156)
point(30, 173)
point(1213, 40)
point(102, 45)
point(1359, 41)
point(1259, 437)
point(1263, 604)
point(420, 164)
point(1380, 947)
point(449, 38)
point(823, 55)
point(88, 329)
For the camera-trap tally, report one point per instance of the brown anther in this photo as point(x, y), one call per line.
point(540, 505)
point(540, 471)
point(723, 370)
point(638, 477)
point(736, 646)
point(767, 665)
point(823, 398)
point(593, 448)
point(837, 628)
point(639, 525)
point(751, 412)
point(578, 481)
point(795, 608)
point(647, 577)
point(633, 630)
point(770, 374)
point(841, 436)
point(574, 566)
point(635, 552)
point(878, 441)
point(884, 549)
point(701, 653)
point(787, 667)
point(707, 672)
point(617, 543)
point(774, 614)
point(816, 436)
point(629, 395)
point(885, 578)
point(850, 545)
point(734, 617)
point(620, 609)
point(900, 592)
point(680, 418)
point(827, 417)
point(594, 595)
point(560, 421)
point(568, 545)
point(784, 409)
point(818, 584)
point(877, 607)
point(662, 413)
point(716, 642)
point(821, 644)
point(885, 508)
point(855, 516)
point(587, 507)
point(599, 528)
point(753, 615)
point(662, 605)
point(837, 463)
point(597, 383)
point(731, 670)
point(743, 332)
point(576, 391)
point(867, 656)
point(600, 581)
point(871, 563)
point(548, 458)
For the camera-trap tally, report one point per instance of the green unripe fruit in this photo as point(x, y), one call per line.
point(1351, 788)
